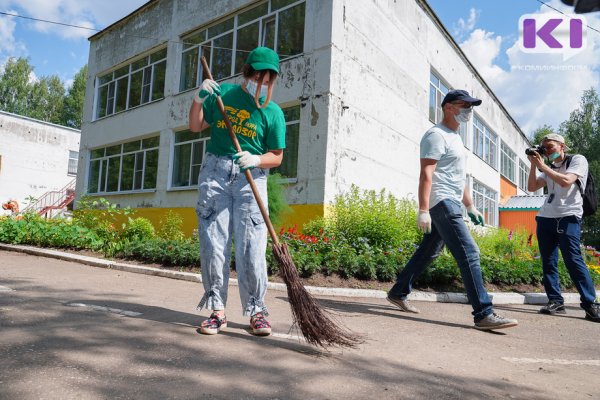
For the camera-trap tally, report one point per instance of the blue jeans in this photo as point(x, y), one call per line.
point(563, 233)
point(227, 210)
point(449, 228)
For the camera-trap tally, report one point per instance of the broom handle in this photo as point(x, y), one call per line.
point(236, 144)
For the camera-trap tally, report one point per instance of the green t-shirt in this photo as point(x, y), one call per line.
point(257, 130)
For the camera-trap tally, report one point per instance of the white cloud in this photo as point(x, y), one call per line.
point(86, 13)
point(483, 49)
point(33, 77)
point(538, 89)
point(463, 27)
point(9, 45)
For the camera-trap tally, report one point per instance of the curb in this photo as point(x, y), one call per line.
point(440, 297)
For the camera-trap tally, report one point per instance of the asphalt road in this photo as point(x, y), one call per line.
point(69, 331)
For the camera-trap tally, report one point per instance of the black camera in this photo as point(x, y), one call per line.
point(536, 149)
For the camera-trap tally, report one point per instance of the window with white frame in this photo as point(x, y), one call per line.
point(73, 160)
point(507, 162)
point(485, 143)
point(523, 175)
point(188, 153)
point(289, 164)
point(139, 82)
point(437, 91)
point(486, 201)
point(278, 24)
point(130, 166)
point(189, 149)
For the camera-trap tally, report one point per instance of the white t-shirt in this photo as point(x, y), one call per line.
point(561, 201)
point(445, 145)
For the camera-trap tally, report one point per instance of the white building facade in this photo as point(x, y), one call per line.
point(35, 157)
point(360, 83)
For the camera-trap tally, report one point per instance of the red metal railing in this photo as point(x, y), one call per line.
point(53, 202)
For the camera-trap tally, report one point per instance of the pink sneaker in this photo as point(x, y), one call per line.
point(213, 324)
point(260, 326)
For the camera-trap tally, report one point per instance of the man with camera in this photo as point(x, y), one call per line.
point(559, 222)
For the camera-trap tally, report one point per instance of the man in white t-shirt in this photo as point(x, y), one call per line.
point(559, 224)
point(441, 190)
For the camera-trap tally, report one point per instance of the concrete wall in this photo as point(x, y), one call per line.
point(362, 83)
point(35, 157)
point(303, 80)
point(382, 55)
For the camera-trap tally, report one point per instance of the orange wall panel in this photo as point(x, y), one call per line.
point(515, 219)
point(507, 190)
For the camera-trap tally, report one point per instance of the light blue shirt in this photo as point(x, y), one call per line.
point(445, 145)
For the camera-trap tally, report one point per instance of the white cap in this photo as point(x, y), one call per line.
point(556, 137)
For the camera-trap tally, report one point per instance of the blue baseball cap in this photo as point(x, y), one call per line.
point(462, 95)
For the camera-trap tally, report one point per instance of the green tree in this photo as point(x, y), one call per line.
point(582, 134)
point(73, 110)
point(42, 98)
point(582, 129)
point(539, 134)
point(15, 86)
point(46, 100)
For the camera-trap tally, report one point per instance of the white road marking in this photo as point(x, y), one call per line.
point(285, 336)
point(593, 363)
point(5, 289)
point(106, 309)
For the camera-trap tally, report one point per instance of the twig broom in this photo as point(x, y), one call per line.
point(314, 322)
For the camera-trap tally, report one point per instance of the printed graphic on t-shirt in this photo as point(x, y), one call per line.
point(239, 122)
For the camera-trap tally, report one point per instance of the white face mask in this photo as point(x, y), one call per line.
point(251, 86)
point(464, 116)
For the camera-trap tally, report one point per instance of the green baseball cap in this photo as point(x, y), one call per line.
point(262, 58)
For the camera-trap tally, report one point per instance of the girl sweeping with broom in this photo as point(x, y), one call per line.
point(226, 207)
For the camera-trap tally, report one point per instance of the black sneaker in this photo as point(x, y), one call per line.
point(592, 313)
point(553, 307)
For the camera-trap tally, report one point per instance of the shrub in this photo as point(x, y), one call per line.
point(327, 246)
point(34, 230)
point(379, 218)
point(170, 227)
point(167, 252)
point(97, 213)
point(278, 205)
point(138, 229)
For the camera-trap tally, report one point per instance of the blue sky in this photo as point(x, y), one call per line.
point(498, 16)
point(486, 30)
point(54, 49)
point(537, 89)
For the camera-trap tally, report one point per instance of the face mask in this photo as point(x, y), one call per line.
point(251, 86)
point(553, 156)
point(464, 116)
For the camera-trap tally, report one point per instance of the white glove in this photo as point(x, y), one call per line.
point(208, 88)
point(476, 216)
point(246, 160)
point(424, 221)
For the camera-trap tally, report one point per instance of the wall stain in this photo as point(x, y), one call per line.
point(314, 115)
